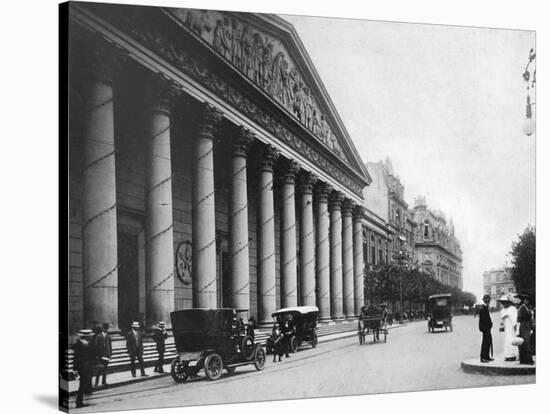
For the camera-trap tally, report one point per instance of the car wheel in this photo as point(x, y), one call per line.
point(179, 371)
point(259, 358)
point(213, 366)
point(293, 344)
point(314, 340)
point(247, 348)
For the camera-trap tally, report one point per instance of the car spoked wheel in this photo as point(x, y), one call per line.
point(314, 340)
point(179, 370)
point(293, 344)
point(259, 358)
point(247, 347)
point(213, 366)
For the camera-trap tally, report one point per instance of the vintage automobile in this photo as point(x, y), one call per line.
point(302, 325)
point(211, 339)
point(440, 316)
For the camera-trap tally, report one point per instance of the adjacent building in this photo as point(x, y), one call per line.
point(498, 282)
point(437, 249)
point(208, 167)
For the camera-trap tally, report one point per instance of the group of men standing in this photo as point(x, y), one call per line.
point(93, 350)
point(518, 327)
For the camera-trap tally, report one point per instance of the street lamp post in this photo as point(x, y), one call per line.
point(529, 123)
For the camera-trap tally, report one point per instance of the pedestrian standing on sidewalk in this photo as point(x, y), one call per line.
point(104, 349)
point(159, 336)
point(508, 316)
point(287, 338)
point(524, 330)
point(485, 325)
point(134, 345)
point(84, 359)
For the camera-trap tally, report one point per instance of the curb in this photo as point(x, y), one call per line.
point(474, 366)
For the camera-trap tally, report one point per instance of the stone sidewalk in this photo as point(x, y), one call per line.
point(498, 367)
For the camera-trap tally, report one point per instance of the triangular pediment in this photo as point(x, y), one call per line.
point(267, 50)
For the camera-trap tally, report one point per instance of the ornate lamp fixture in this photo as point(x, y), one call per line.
point(529, 123)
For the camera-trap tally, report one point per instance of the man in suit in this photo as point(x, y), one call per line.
point(104, 349)
point(134, 345)
point(485, 325)
point(159, 336)
point(84, 357)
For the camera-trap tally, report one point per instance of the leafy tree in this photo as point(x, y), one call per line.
point(523, 262)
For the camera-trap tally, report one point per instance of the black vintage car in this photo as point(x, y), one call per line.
point(440, 316)
point(211, 339)
point(300, 322)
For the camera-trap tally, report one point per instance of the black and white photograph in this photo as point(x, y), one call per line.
point(291, 205)
point(253, 195)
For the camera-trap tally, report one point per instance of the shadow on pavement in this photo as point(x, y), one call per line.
point(48, 400)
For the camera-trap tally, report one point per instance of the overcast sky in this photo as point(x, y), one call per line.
point(446, 104)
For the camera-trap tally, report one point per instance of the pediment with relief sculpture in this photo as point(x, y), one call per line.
point(268, 55)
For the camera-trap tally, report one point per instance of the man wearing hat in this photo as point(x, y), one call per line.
point(84, 357)
point(525, 326)
point(485, 325)
point(104, 349)
point(134, 345)
point(159, 336)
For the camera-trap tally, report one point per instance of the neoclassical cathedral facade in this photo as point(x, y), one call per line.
point(208, 167)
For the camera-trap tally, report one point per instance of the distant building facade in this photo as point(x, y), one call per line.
point(437, 249)
point(497, 282)
point(388, 224)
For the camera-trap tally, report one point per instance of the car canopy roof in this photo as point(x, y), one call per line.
point(297, 309)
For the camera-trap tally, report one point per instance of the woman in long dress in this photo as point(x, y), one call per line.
point(509, 316)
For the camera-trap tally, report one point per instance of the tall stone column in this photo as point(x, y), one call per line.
point(266, 245)
point(336, 297)
point(159, 225)
point(238, 221)
point(322, 191)
point(358, 259)
point(307, 247)
point(204, 215)
point(99, 229)
point(347, 258)
point(289, 281)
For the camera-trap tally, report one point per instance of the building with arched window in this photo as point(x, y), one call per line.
point(437, 249)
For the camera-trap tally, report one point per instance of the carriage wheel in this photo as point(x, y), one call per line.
point(213, 366)
point(179, 371)
point(293, 344)
point(247, 348)
point(314, 340)
point(259, 358)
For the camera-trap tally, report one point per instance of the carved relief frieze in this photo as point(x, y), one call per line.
point(264, 60)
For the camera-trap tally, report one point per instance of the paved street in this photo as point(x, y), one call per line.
point(411, 360)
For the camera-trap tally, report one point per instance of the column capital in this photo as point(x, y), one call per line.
point(335, 200)
point(347, 206)
point(162, 93)
point(241, 142)
point(210, 115)
point(322, 191)
point(289, 169)
point(97, 59)
point(268, 157)
point(307, 181)
point(358, 211)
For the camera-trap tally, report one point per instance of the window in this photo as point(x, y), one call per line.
point(426, 230)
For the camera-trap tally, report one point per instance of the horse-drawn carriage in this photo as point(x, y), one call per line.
point(372, 319)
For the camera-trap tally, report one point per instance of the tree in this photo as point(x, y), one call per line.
point(523, 262)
